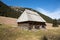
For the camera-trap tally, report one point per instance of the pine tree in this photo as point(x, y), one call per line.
point(55, 23)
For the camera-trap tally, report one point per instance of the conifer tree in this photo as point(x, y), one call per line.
point(55, 23)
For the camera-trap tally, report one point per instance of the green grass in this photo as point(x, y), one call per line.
point(11, 33)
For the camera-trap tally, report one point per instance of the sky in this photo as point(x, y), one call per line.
point(50, 8)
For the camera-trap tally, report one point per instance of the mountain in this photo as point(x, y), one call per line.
point(15, 12)
point(8, 11)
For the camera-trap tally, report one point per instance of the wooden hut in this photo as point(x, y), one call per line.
point(30, 20)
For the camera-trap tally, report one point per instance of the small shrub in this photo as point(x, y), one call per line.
point(0, 24)
point(45, 38)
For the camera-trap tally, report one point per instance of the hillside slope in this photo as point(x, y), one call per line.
point(15, 12)
point(8, 21)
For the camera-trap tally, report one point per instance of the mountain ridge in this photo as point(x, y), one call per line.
point(15, 12)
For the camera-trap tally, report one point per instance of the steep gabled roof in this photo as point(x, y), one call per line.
point(29, 15)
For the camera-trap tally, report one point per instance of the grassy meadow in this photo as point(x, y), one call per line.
point(14, 33)
point(9, 31)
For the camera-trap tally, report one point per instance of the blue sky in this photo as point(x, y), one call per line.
point(47, 7)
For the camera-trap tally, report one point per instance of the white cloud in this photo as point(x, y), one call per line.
point(54, 15)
